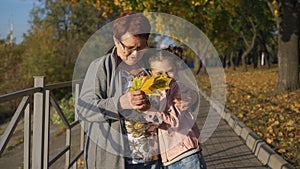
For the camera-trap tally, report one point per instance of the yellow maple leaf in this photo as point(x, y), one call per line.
point(146, 86)
point(151, 84)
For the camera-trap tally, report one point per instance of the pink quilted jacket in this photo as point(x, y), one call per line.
point(177, 130)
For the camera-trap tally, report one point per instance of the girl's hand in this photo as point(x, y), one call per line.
point(185, 99)
point(181, 104)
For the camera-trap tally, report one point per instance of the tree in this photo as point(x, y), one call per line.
point(288, 39)
point(10, 67)
point(58, 32)
point(252, 22)
point(10, 70)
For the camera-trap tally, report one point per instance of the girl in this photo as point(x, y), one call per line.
point(178, 133)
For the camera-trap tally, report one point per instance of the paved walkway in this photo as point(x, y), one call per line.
point(224, 149)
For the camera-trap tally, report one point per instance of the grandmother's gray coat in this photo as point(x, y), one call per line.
point(98, 108)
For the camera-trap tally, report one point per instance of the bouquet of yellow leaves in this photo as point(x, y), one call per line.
point(151, 85)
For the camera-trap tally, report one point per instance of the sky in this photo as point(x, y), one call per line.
point(16, 12)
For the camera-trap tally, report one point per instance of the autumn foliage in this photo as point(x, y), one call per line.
point(151, 85)
point(275, 117)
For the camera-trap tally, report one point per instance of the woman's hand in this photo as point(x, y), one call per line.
point(136, 99)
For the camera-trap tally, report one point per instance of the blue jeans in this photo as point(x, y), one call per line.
point(194, 161)
point(148, 165)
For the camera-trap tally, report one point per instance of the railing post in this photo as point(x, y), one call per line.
point(68, 143)
point(77, 92)
point(75, 165)
point(38, 124)
point(76, 100)
point(27, 136)
point(47, 128)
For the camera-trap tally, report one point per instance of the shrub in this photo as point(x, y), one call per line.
point(67, 107)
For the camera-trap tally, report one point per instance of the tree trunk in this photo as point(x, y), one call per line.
point(249, 47)
point(244, 62)
point(232, 64)
point(224, 59)
point(245, 54)
point(288, 76)
point(259, 59)
point(266, 57)
point(197, 65)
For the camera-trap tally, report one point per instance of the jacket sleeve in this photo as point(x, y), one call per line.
point(94, 104)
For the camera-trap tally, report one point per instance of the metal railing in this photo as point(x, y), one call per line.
point(40, 97)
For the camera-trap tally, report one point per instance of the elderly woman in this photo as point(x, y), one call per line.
point(110, 110)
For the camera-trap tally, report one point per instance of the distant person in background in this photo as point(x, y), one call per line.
point(178, 51)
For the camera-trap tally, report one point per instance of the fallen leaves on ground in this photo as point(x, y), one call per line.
point(275, 117)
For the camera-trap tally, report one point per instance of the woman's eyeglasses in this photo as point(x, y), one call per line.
point(130, 49)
